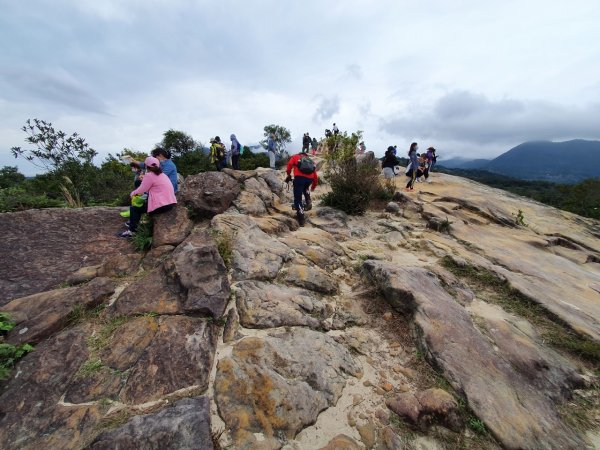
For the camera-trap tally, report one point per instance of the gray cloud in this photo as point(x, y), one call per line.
point(328, 107)
point(56, 88)
point(355, 71)
point(474, 118)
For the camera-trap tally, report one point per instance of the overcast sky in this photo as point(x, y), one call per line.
point(472, 78)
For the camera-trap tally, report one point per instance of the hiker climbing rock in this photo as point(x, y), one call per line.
point(305, 178)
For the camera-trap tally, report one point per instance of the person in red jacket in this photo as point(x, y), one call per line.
point(305, 177)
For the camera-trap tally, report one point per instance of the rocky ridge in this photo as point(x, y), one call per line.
point(238, 329)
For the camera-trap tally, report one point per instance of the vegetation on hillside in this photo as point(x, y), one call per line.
point(582, 198)
point(71, 178)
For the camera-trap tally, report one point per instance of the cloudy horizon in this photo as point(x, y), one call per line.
point(473, 79)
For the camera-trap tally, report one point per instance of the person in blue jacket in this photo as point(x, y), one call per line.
point(167, 166)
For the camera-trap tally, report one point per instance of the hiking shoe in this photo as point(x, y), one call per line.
point(308, 206)
point(127, 224)
point(301, 219)
point(126, 234)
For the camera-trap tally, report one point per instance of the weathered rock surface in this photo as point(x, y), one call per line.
point(278, 385)
point(273, 180)
point(40, 315)
point(468, 360)
point(28, 405)
point(250, 203)
point(332, 221)
point(310, 277)
point(239, 175)
point(189, 344)
point(209, 193)
point(255, 254)
point(202, 275)
point(194, 281)
point(185, 425)
point(426, 408)
point(265, 305)
point(42, 247)
point(342, 442)
point(172, 227)
point(317, 246)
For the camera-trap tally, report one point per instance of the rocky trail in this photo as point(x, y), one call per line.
point(440, 323)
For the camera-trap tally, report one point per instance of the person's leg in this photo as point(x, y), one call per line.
point(298, 190)
point(307, 198)
point(271, 159)
point(135, 215)
point(235, 162)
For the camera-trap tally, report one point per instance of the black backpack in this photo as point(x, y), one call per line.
point(306, 165)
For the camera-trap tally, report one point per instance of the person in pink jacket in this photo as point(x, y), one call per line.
point(161, 195)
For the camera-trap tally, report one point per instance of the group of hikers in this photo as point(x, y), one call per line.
point(419, 165)
point(156, 181)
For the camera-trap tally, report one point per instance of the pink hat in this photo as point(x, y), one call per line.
point(152, 161)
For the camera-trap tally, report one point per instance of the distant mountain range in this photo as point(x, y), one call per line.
point(559, 162)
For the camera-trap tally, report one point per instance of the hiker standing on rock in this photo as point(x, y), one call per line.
point(335, 129)
point(217, 153)
point(413, 166)
point(161, 195)
point(431, 158)
point(305, 142)
point(305, 177)
point(389, 162)
point(236, 150)
point(271, 150)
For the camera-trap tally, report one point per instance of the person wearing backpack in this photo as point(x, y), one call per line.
point(390, 161)
point(305, 142)
point(305, 177)
point(236, 150)
point(217, 153)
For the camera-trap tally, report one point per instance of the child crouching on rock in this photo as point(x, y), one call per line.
point(161, 195)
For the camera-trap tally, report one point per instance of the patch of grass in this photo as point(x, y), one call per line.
point(89, 367)
point(520, 218)
point(477, 426)
point(142, 239)
point(101, 338)
point(6, 322)
point(552, 329)
point(224, 243)
point(81, 314)
point(445, 226)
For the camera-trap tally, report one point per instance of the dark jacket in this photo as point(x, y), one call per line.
point(390, 160)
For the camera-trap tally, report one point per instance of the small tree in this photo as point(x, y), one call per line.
point(179, 142)
point(53, 149)
point(282, 138)
point(10, 177)
point(353, 183)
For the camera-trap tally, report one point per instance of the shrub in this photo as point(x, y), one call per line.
point(250, 160)
point(10, 354)
point(353, 183)
point(19, 199)
point(192, 163)
point(142, 239)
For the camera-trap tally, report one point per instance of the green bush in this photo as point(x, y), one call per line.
point(10, 354)
point(353, 183)
point(18, 199)
point(250, 160)
point(142, 239)
point(192, 163)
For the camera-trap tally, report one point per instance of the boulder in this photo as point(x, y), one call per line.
point(331, 220)
point(250, 203)
point(273, 180)
point(232, 325)
point(393, 207)
point(278, 385)
point(47, 245)
point(266, 305)
point(259, 187)
point(39, 316)
point(120, 265)
point(426, 408)
point(185, 425)
point(239, 175)
point(276, 224)
point(202, 275)
point(171, 227)
point(311, 278)
point(193, 281)
point(209, 193)
point(517, 413)
point(179, 356)
point(83, 275)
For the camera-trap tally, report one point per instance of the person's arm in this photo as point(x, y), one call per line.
point(147, 183)
point(290, 165)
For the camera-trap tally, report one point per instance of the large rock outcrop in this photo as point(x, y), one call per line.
point(41, 248)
